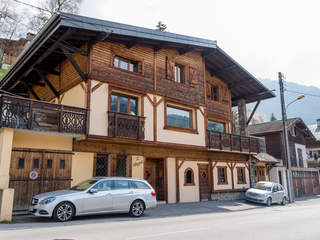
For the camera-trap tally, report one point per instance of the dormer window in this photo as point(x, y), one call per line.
point(125, 64)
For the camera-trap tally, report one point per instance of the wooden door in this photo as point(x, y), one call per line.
point(154, 174)
point(54, 173)
point(204, 182)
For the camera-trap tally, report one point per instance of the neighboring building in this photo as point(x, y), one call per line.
point(313, 146)
point(305, 180)
point(119, 100)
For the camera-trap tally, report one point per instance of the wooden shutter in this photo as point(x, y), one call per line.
point(170, 68)
point(193, 75)
point(208, 90)
point(225, 95)
point(140, 67)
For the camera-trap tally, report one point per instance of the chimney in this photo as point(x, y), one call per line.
point(318, 125)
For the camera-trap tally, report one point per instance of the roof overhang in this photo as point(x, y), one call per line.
point(77, 30)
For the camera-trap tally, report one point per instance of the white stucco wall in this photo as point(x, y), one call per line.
point(171, 173)
point(247, 177)
point(148, 113)
point(189, 193)
point(98, 112)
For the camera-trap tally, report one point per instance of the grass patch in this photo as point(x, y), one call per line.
point(2, 70)
point(7, 222)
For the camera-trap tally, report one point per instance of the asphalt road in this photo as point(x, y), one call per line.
point(231, 220)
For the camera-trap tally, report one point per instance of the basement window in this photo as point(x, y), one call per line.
point(49, 163)
point(21, 163)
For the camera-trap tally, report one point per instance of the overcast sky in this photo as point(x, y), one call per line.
point(264, 36)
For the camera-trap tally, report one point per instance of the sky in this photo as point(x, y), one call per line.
point(264, 36)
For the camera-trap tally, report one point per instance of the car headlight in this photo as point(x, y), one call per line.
point(47, 200)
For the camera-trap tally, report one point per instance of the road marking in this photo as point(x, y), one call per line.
point(167, 233)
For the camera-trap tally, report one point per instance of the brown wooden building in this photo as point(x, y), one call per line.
point(110, 99)
point(305, 180)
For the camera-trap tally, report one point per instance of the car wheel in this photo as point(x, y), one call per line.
point(269, 202)
point(284, 201)
point(63, 212)
point(137, 208)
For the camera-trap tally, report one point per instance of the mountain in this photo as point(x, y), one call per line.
point(308, 108)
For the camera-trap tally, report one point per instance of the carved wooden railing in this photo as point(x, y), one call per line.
point(23, 113)
point(125, 125)
point(231, 142)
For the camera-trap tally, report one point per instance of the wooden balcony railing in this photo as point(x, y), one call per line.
point(23, 113)
point(231, 142)
point(125, 125)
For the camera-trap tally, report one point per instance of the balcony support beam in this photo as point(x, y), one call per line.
point(30, 90)
point(48, 83)
point(253, 111)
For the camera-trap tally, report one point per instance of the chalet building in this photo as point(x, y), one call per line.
point(305, 180)
point(100, 98)
point(313, 146)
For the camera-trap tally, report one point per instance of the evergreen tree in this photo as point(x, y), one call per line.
point(273, 117)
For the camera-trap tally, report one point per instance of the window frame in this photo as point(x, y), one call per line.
point(212, 95)
point(130, 57)
point(119, 94)
point(244, 175)
point(225, 175)
point(192, 177)
point(193, 122)
point(182, 73)
point(128, 61)
point(213, 120)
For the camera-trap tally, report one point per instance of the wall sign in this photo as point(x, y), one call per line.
point(33, 175)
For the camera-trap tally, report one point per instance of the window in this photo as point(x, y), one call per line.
point(62, 164)
point(188, 177)
point(179, 73)
point(216, 126)
point(125, 64)
point(138, 185)
point(36, 163)
point(241, 175)
point(124, 104)
point(49, 163)
point(103, 186)
point(177, 117)
point(214, 93)
point(21, 163)
point(121, 184)
point(121, 166)
point(222, 175)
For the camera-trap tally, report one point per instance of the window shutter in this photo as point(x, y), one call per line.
point(193, 75)
point(208, 90)
point(140, 67)
point(170, 68)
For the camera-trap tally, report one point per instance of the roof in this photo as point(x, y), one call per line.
point(266, 158)
point(76, 30)
point(313, 128)
point(276, 126)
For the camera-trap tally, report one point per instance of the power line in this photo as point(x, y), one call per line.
point(33, 6)
point(307, 94)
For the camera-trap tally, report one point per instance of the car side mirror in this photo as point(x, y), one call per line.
point(93, 190)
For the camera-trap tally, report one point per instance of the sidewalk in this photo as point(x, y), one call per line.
point(162, 211)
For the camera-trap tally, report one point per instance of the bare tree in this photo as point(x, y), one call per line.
point(49, 7)
point(161, 26)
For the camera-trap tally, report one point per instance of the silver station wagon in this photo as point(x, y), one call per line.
point(268, 193)
point(96, 196)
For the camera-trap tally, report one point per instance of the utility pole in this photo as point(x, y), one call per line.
point(285, 140)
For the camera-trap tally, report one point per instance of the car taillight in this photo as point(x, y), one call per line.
point(153, 194)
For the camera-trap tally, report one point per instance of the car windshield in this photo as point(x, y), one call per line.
point(263, 186)
point(84, 185)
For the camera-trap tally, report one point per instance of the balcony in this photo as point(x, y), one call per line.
point(23, 113)
point(233, 143)
point(125, 125)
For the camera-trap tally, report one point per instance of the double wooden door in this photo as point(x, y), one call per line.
point(54, 173)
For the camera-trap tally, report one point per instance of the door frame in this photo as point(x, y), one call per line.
point(165, 174)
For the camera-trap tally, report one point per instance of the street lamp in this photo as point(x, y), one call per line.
point(285, 139)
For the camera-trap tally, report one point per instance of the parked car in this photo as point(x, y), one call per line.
point(268, 193)
point(96, 196)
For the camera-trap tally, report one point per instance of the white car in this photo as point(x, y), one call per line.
point(96, 196)
point(268, 193)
